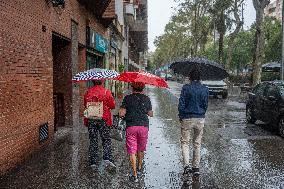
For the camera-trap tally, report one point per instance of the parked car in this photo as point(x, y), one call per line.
point(169, 77)
point(163, 75)
point(266, 103)
point(179, 78)
point(246, 87)
point(217, 88)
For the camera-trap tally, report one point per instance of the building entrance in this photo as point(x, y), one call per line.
point(62, 85)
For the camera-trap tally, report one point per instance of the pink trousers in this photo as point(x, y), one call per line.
point(136, 139)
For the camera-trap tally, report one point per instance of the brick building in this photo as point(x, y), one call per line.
point(138, 34)
point(43, 44)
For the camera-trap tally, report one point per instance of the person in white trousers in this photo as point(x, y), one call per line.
point(193, 103)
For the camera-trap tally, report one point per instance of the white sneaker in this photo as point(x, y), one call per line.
point(110, 165)
point(94, 167)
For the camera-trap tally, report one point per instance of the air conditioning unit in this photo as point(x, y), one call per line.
point(129, 9)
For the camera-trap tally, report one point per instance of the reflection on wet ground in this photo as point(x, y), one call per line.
point(163, 163)
point(234, 154)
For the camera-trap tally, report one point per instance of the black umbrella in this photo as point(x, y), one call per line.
point(210, 70)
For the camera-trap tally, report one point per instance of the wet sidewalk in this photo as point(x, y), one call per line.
point(234, 154)
point(64, 163)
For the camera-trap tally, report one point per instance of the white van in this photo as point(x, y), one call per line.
point(217, 88)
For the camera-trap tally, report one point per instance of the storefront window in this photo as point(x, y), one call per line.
point(112, 59)
point(93, 61)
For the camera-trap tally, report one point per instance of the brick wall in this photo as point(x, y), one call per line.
point(26, 70)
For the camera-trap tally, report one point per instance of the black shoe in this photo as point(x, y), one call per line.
point(94, 167)
point(139, 172)
point(187, 170)
point(195, 172)
point(133, 178)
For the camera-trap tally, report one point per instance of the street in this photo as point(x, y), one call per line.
point(234, 154)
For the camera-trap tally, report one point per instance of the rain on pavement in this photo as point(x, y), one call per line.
point(234, 154)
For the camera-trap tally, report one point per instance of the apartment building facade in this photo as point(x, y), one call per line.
point(274, 9)
point(42, 45)
point(137, 21)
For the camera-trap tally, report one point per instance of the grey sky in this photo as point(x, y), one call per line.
point(160, 11)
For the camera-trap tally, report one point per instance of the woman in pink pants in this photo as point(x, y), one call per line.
point(135, 109)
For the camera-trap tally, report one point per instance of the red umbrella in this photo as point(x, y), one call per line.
point(142, 77)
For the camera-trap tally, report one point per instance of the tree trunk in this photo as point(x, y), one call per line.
point(233, 35)
point(221, 37)
point(221, 42)
point(259, 40)
point(230, 53)
point(195, 29)
point(258, 55)
point(202, 47)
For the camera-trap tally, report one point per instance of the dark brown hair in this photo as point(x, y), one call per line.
point(194, 74)
point(138, 86)
point(97, 82)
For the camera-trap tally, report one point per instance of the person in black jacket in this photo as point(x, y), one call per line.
point(193, 103)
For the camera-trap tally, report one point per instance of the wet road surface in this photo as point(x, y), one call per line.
point(234, 154)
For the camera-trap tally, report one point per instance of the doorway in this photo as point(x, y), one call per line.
point(62, 87)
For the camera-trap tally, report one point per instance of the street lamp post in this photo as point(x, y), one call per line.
point(282, 61)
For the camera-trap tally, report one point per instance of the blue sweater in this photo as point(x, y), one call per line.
point(193, 101)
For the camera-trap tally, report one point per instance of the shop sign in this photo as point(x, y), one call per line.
point(101, 43)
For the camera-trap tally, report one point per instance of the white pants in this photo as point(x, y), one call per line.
point(187, 126)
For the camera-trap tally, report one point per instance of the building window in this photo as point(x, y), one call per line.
point(93, 61)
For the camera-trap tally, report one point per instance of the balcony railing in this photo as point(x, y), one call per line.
point(96, 6)
point(139, 25)
point(104, 10)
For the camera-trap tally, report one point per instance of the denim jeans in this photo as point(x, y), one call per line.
point(194, 125)
point(99, 127)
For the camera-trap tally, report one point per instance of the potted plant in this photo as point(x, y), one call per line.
point(120, 93)
point(121, 68)
point(120, 86)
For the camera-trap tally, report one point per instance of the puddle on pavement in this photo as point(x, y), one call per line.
point(236, 105)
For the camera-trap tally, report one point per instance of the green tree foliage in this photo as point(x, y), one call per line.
point(221, 11)
point(258, 56)
point(243, 51)
point(238, 23)
point(186, 34)
point(151, 66)
point(195, 16)
point(173, 44)
point(272, 32)
point(210, 52)
point(190, 33)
